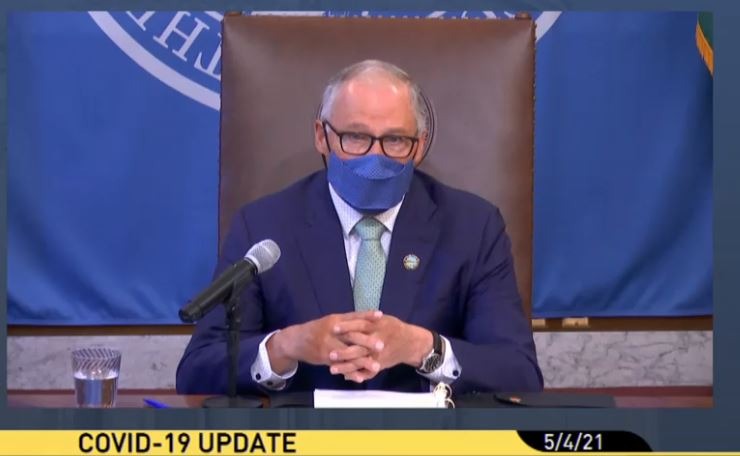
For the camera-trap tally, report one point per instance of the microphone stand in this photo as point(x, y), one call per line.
point(233, 322)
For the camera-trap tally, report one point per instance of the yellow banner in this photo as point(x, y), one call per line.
point(326, 443)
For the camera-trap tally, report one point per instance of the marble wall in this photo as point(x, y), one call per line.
point(595, 359)
point(577, 359)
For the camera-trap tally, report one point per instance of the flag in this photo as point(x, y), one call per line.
point(623, 168)
point(704, 32)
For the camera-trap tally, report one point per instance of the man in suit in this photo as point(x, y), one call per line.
point(388, 279)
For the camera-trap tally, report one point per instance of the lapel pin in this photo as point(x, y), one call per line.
point(411, 262)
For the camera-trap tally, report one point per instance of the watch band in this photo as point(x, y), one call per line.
point(436, 343)
point(434, 359)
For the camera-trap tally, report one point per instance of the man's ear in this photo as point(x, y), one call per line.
point(319, 138)
point(419, 150)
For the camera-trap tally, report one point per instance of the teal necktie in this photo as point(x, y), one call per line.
point(370, 268)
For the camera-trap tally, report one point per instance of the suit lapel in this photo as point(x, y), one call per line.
point(414, 235)
point(322, 248)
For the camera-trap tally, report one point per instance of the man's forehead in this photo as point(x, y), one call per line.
point(377, 101)
point(374, 83)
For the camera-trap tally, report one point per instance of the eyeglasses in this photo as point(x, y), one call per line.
point(354, 143)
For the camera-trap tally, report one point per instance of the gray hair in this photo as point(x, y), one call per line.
point(417, 100)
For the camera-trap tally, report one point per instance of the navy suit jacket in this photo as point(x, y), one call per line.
point(464, 288)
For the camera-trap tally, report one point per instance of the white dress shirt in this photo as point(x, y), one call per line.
point(261, 369)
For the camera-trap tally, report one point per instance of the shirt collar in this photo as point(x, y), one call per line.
point(349, 216)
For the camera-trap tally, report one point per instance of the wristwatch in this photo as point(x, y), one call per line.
point(434, 359)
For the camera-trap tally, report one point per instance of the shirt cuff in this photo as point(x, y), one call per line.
point(262, 370)
point(448, 371)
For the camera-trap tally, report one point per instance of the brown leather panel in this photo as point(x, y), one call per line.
point(479, 75)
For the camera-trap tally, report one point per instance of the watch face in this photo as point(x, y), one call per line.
point(431, 363)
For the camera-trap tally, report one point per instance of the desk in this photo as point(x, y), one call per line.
point(626, 397)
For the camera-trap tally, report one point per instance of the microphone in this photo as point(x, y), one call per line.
point(260, 258)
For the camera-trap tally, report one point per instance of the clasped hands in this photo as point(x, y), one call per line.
point(356, 345)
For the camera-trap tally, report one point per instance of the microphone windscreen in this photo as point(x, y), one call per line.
point(264, 255)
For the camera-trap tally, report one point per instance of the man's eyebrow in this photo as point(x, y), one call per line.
point(355, 126)
point(397, 131)
point(362, 128)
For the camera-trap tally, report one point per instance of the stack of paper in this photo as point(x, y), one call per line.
point(323, 398)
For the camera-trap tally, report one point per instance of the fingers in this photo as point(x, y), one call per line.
point(360, 376)
point(351, 368)
point(358, 325)
point(363, 374)
point(348, 353)
point(322, 337)
point(370, 342)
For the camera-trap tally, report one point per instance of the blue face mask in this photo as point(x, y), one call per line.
point(371, 183)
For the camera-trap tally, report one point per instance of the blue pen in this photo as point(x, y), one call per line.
point(155, 404)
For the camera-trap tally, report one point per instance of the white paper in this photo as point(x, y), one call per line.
point(324, 398)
